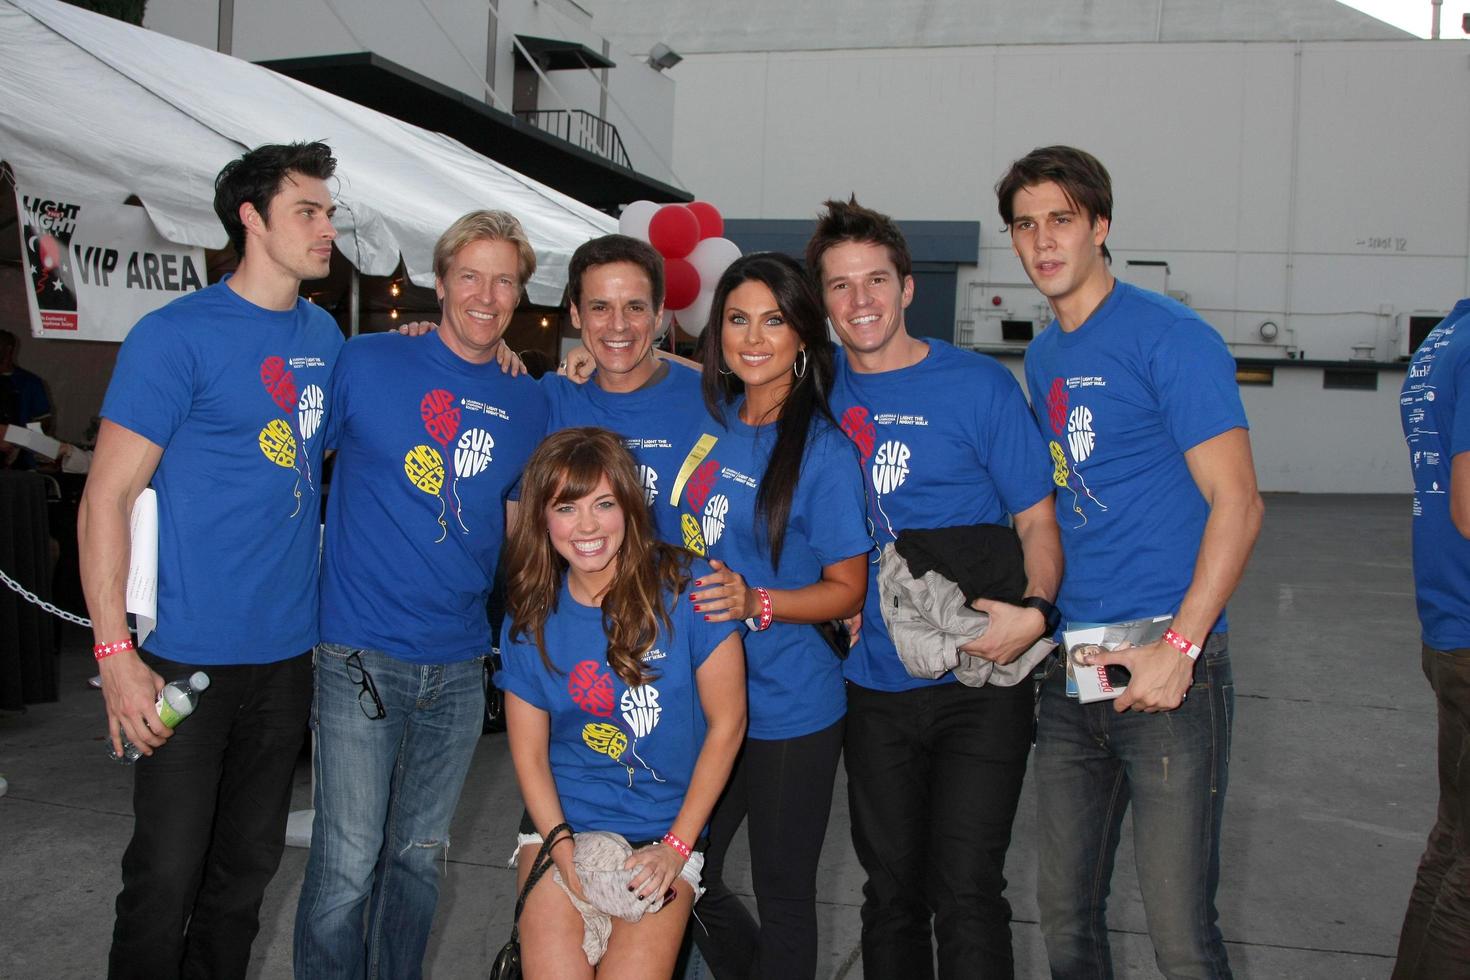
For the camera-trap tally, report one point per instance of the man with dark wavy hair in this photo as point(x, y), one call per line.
point(1157, 504)
point(217, 403)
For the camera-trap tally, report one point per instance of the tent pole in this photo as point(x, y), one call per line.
point(354, 305)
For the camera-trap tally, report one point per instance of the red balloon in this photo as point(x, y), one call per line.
point(711, 225)
point(280, 383)
point(441, 416)
point(681, 284)
point(674, 231)
point(49, 250)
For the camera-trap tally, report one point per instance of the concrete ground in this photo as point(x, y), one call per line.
point(1332, 792)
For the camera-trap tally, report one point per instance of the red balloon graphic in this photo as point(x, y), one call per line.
point(279, 382)
point(441, 416)
point(591, 689)
point(1056, 403)
point(711, 225)
point(674, 231)
point(49, 251)
point(681, 284)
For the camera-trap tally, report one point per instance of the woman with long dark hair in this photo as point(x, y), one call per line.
point(774, 498)
point(625, 708)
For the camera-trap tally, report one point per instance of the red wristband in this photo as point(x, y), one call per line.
point(677, 845)
point(766, 616)
point(104, 650)
point(1179, 643)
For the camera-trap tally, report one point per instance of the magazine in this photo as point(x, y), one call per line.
point(1103, 683)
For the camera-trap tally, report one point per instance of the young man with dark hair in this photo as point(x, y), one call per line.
point(1157, 503)
point(1435, 940)
point(430, 439)
point(934, 767)
point(216, 402)
point(615, 285)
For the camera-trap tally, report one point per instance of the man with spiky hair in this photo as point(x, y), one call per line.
point(1158, 510)
point(216, 402)
point(934, 767)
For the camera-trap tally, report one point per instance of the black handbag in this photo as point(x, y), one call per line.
point(507, 965)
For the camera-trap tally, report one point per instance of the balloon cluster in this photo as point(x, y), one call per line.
point(688, 236)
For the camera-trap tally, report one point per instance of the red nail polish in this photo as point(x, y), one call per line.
point(698, 582)
point(698, 609)
point(706, 619)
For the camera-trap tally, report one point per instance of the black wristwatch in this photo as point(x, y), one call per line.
point(1052, 614)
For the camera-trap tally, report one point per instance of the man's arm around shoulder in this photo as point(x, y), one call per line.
point(121, 468)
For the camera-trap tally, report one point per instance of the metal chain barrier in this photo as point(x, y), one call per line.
point(34, 599)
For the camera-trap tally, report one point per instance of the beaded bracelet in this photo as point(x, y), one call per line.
point(104, 650)
point(1179, 643)
point(677, 845)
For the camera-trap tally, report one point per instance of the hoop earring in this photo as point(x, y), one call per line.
point(800, 372)
point(724, 372)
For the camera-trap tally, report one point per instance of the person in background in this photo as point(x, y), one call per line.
point(216, 403)
point(23, 400)
point(1435, 939)
point(625, 706)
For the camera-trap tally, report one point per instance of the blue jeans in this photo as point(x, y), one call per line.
point(385, 793)
point(1091, 763)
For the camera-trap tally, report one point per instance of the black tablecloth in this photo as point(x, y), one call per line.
point(28, 666)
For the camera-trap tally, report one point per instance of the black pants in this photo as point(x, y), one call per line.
point(784, 788)
point(933, 779)
point(209, 824)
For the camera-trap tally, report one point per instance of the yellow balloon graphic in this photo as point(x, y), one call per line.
point(425, 469)
point(1060, 473)
point(605, 738)
point(278, 444)
point(693, 539)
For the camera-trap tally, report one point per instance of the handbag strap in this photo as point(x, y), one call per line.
point(539, 867)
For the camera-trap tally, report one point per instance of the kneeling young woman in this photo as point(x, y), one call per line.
point(625, 709)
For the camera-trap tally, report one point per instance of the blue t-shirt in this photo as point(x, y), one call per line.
point(794, 681)
point(428, 447)
point(653, 422)
point(1121, 399)
point(945, 442)
point(1437, 430)
point(621, 757)
point(234, 394)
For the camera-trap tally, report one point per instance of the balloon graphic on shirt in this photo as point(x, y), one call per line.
point(641, 709)
point(278, 444)
point(1059, 473)
point(472, 453)
point(279, 383)
point(1056, 405)
point(713, 522)
point(606, 738)
point(1080, 437)
point(890, 466)
point(591, 689)
point(440, 415)
point(424, 468)
point(693, 539)
point(309, 410)
point(861, 431)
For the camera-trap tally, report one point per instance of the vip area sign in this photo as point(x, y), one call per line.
point(95, 268)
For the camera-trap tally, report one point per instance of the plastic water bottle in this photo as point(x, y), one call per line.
point(176, 702)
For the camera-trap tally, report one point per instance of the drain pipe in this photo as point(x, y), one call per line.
point(1434, 24)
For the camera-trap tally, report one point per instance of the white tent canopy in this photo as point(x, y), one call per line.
point(105, 110)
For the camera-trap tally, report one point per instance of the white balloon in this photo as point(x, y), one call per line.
point(711, 258)
point(694, 316)
point(309, 410)
point(472, 453)
point(635, 218)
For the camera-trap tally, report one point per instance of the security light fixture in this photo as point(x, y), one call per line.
point(661, 57)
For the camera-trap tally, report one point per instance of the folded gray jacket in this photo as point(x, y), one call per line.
point(599, 859)
point(928, 620)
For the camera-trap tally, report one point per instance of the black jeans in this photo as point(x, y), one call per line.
point(784, 787)
point(933, 779)
point(209, 823)
point(1435, 940)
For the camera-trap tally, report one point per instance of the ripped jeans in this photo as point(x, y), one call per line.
point(1090, 765)
point(386, 791)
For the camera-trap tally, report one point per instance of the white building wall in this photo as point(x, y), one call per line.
point(449, 45)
